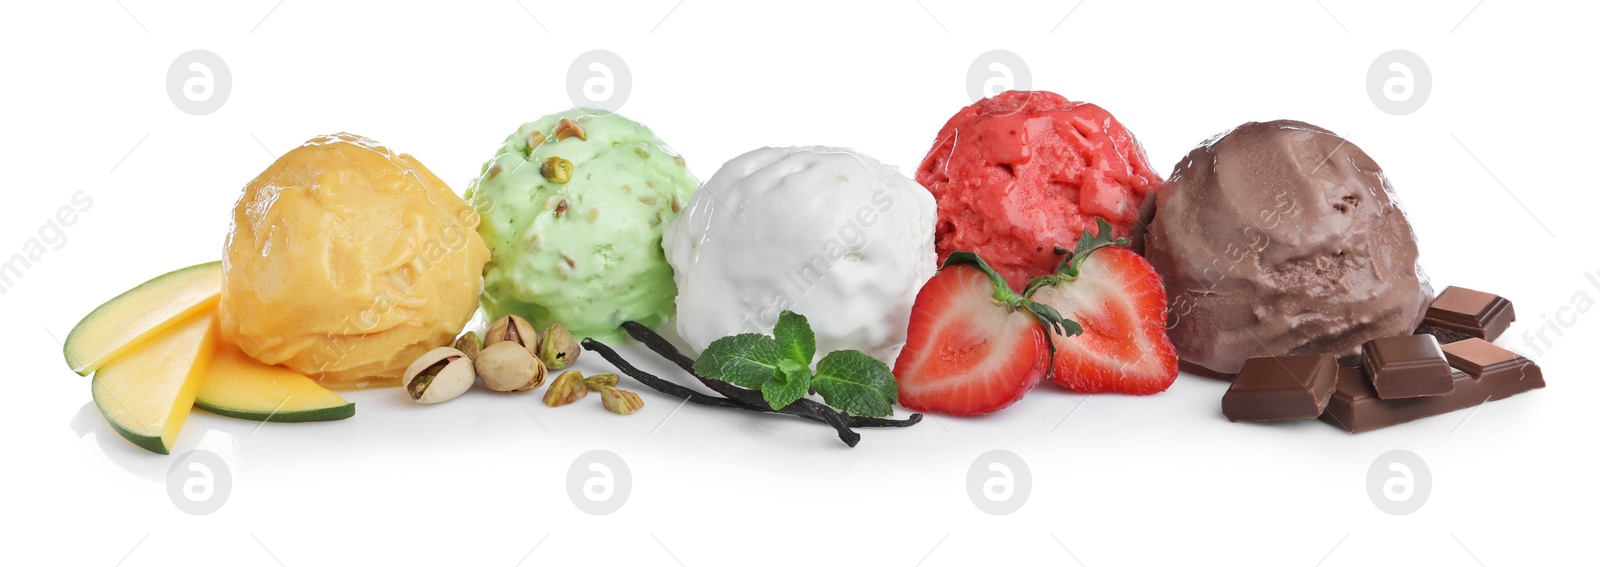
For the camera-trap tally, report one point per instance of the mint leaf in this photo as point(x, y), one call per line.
point(852, 381)
point(747, 360)
point(788, 384)
point(796, 342)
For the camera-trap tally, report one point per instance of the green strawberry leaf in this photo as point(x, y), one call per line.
point(1002, 290)
point(852, 381)
point(1003, 295)
point(748, 360)
point(1052, 319)
point(1072, 262)
point(789, 383)
point(1087, 244)
point(796, 342)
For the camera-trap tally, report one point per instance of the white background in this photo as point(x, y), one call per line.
point(1495, 170)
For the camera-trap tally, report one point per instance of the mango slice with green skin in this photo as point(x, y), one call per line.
point(238, 386)
point(141, 313)
point(147, 392)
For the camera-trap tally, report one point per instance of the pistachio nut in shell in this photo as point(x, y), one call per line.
point(438, 375)
point(515, 329)
point(508, 367)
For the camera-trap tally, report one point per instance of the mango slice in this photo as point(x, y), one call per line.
point(239, 386)
point(146, 393)
point(132, 318)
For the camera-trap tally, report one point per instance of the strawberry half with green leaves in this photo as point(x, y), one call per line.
point(974, 346)
point(1121, 305)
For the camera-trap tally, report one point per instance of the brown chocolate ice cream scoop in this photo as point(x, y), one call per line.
point(1281, 238)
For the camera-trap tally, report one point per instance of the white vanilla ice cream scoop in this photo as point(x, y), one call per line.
point(828, 233)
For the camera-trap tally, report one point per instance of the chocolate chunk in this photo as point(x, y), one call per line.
point(1271, 388)
point(1356, 407)
point(1460, 313)
point(1406, 366)
point(1482, 360)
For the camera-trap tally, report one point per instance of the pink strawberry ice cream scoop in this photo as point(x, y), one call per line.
point(1023, 172)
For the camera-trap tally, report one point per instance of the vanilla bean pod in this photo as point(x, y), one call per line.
point(658, 384)
point(863, 421)
point(849, 436)
point(661, 346)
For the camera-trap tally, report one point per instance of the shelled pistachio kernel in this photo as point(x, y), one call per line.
point(556, 169)
point(594, 383)
point(558, 350)
point(567, 388)
point(566, 128)
point(621, 402)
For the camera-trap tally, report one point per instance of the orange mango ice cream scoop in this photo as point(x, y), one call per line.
point(347, 261)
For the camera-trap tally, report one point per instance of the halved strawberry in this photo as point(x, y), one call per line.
point(1118, 299)
point(974, 346)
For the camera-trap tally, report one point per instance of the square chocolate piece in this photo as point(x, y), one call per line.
point(1484, 373)
point(1408, 366)
point(1271, 388)
point(1485, 361)
point(1460, 313)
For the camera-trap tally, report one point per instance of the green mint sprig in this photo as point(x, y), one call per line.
point(780, 367)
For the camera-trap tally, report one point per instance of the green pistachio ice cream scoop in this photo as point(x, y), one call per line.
point(572, 207)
